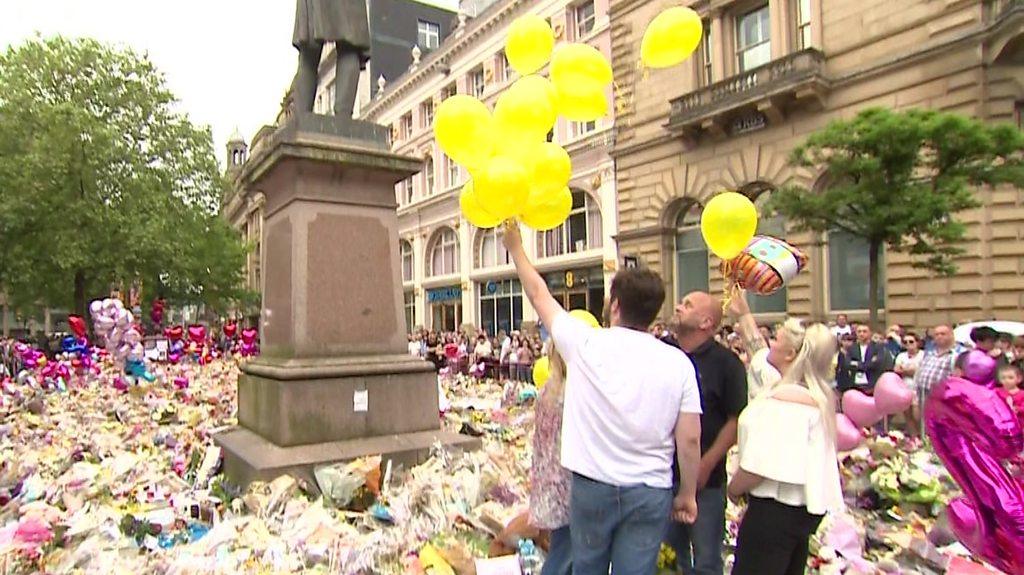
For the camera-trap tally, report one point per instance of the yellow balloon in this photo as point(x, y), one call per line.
point(530, 41)
point(582, 105)
point(552, 167)
point(464, 129)
point(671, 37)
point(580, 65)
point(502, 187)
point(527, 106)
point(728, 223)
point(541, 372)
point(586, 317)
point(473, 212)
point(550, 212)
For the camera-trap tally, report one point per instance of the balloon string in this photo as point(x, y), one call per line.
point(727, 284)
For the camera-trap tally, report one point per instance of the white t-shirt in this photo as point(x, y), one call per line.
point(414, 348)
point(841, 331)
point(761, 375)
point(904, 360)
point(623, 394)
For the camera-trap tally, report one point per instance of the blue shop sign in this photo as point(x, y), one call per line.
point(444, 294)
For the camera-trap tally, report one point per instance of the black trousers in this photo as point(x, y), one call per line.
point(773, 539)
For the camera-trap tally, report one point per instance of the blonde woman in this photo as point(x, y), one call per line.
point(769, 358)
point(549, 481)
point(787, 462)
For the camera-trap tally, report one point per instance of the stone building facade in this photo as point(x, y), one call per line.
point(768, 74)
point(455, 274)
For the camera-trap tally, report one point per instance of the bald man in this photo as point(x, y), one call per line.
point(723, 387)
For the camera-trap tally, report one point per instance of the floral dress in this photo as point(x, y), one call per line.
point(549, 481)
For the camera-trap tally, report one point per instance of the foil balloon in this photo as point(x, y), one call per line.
point(860, 408)
point(230, 329)
point(974, 432)
point(767, 264)
point(980, 368)
point(174, 333)
point(77, 325)
point(250, 346)
point(892, 396)
point(848, 435)
point(197, 334)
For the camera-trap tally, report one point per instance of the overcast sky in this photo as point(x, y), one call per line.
point(228, 61)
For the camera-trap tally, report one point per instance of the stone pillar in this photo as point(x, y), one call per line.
point(720, 66)
point(335, 381)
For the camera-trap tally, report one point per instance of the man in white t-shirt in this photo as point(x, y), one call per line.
point(842, 326)
point(630, 402)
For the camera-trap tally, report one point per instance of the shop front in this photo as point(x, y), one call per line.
point(581, 288)
point(501, 306)
point(445, 304)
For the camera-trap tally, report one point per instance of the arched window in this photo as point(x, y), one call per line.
point(407, 261)
point(492, 252)
point(691, 252)
point(444, 254)
point(848, 266)
point(768, 224)
point(579, 233)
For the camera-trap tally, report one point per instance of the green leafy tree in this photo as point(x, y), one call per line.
point(898, 179)
point(104, 182)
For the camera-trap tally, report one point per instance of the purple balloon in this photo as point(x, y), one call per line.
point(980, 368)
point(973, 432)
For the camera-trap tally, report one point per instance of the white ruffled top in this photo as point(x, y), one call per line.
point(787, 444)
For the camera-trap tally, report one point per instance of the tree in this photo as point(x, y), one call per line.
point(103, 182)
point(898, 179)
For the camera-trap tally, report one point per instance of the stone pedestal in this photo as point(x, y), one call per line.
point(334, 381)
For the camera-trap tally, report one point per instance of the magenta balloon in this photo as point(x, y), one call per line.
point(848, 435)
point(892, 396)
point(973, 432)
point(980, 368)
point(860, 408)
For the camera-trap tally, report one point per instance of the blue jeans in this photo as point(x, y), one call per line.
point(706, 535)
point(559, 559)
point(621, 527)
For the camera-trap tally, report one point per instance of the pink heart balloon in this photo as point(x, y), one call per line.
point(892, 396)
point(197, 333)
point(860, 408)
point(848, 435)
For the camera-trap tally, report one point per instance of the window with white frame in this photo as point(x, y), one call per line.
point(427, 113)
point(476, 82)
point(691, 263)
point(405, 191)
point(584, 17)
point(492, 251)
point(428, 35)
point(444, 254)
point(803, 24)
point(753, 38)
point(707, 73)
point(407, 261)
point(580, 129)
point(502, 70)
point(428, 176)
point(410, 311)
point(452, 171)
point(848, 265)
point(580, 232)
point(449, 91)
point(407, 126)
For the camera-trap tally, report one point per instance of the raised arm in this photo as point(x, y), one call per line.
point(740, 311)
point(534, 287)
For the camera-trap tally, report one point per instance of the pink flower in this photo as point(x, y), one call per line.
point(32, 533)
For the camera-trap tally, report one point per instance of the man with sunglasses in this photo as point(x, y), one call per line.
point(907, 364)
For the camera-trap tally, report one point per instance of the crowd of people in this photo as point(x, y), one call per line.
point(503, 356)
point(632, 436)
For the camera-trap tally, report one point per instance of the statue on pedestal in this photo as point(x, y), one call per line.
point(343, 22)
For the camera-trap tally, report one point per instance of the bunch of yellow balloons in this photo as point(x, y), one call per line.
point(671, 37)
point(515, 172)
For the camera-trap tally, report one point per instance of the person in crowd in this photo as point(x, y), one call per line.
point(1005, 345)
point(894, 340)
point(1018, 351)
point(512, 359)
point(766, 332)
point(525, 358)
point(865, 363)
point(415, 345)
point(627, 397)
point(985, 338)
point(549, 481)
point(929, 340)
point(1009, 390)
point(907, 364)
point(735, 344)
point(842, 326)
point(769, 357)
point(723, 388)
point(936, 365)
point(788, 469)
point(482, 350)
